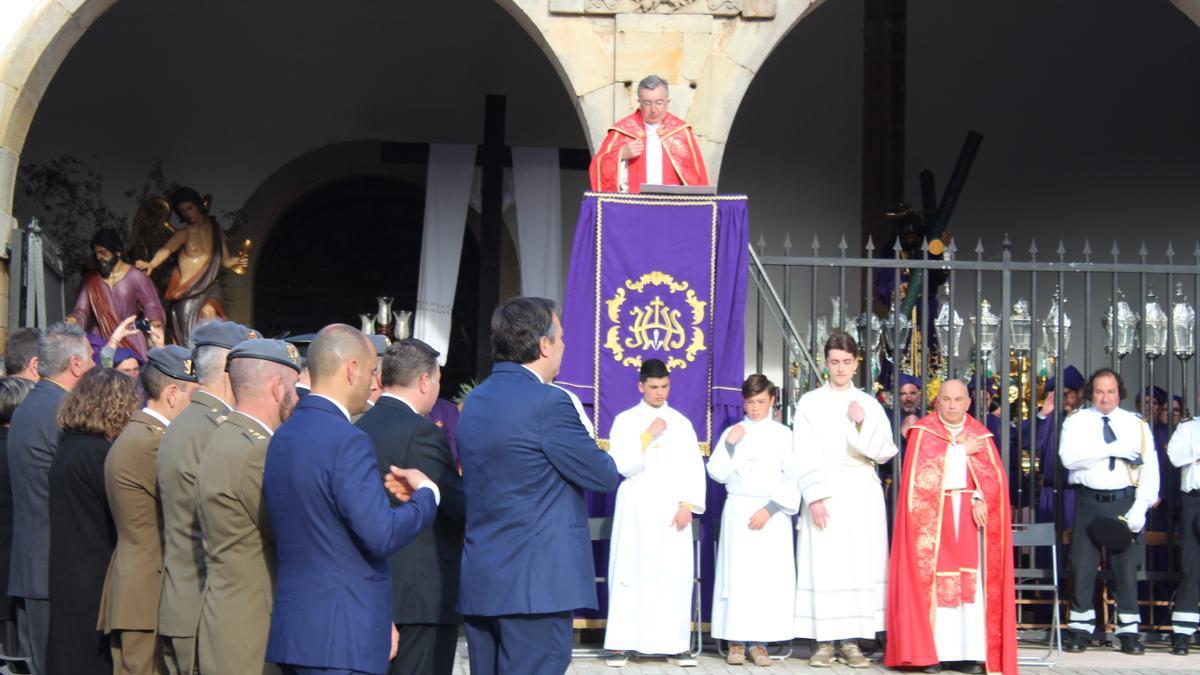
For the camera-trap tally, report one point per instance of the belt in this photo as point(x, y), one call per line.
point(1106, 496)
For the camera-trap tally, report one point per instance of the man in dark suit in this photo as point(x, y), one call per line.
point(333, 525)
point(20, 354)
point(64, 355)
point(527, 459)
point(424, 573)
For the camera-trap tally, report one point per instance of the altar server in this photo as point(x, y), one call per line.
point(840, 434)
point(651, 561)
point(756, 567)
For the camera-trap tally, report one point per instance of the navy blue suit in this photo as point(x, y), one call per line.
point(334, 530)
point(527, 558)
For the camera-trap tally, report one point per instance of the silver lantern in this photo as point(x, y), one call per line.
point(868, 326)
point(1183, 325)
point(1022, 327)
point(891, 341)
point(948, 331)
point(1156, 327)
point(986, 326)
point(1120, 335)
point(368, 324)
point(1055, 344)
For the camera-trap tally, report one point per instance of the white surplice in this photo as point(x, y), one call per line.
point(841, 571)
point(651, 563)
point(756, 569)
point(959, 633)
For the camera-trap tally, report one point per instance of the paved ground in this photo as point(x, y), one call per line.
point(1096, 661)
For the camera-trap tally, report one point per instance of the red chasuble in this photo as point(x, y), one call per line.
point(922, 575)
point(682, 163)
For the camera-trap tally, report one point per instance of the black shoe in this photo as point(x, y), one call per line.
point(1131, 643)
point(1075, 642)
point(971, 667)
point(1179, 644)
point(935, 668)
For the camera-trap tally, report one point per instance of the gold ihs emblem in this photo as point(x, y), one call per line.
point(656, 327)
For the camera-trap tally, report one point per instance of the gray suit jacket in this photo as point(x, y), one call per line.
point(33, 439)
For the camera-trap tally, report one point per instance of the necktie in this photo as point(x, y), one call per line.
point(1109, 437)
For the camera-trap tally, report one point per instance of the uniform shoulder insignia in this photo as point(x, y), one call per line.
point(220, 419)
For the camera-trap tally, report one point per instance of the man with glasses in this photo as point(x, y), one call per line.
point(649, 147)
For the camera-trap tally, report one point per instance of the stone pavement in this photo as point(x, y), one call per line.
point(1096, 661)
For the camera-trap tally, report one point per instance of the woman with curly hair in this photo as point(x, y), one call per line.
point(82, 533)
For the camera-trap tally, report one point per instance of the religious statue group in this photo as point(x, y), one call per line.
point(112, 295)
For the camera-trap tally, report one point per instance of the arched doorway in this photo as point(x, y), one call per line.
point(340, 245)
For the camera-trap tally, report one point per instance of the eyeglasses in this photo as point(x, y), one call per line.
point(661, 103)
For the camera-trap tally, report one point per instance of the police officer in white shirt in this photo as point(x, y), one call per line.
point(1184, 452)
point(1113, 467)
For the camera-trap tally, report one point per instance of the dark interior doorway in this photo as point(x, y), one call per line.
point(342, 244)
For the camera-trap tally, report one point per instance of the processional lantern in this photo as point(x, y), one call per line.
point(987, 327)
point(1120, 334)
point(1183, 325)
point(1056, 344)
point(1022, 327)
point(891, 325)
point(1156, 328)
point(948, 325)
point(868, 330)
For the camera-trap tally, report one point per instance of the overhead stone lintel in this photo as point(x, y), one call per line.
point(756, 9)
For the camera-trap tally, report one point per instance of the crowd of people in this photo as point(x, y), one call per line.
point(238, 508)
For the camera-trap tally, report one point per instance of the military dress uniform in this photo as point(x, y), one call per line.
point(239, 553)
point(1113, 468)
point(1184, 452)
point(239, 550)
point(183, 549)
point(129, 601)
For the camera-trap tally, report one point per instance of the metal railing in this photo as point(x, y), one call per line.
point(1148, 351)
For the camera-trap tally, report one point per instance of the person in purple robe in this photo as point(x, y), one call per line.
point(114, 292)
point(445, 416)
point(1046, 444)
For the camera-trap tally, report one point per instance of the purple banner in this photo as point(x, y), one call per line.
point(658, 277)
point(626, 301)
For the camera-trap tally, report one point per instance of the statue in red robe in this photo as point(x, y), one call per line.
point(945, 556)
point(649, 146)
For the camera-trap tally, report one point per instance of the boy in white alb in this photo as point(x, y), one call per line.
point(756, 567)
point(651, 560)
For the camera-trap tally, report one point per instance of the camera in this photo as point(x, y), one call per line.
point(142, 323)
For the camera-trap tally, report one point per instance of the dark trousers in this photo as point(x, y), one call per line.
point(519, 644)
point(1187, 598)
point(425, 649)
point(1085, 557)
point(33, 631)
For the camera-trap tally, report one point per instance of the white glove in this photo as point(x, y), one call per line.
point(1136, 518)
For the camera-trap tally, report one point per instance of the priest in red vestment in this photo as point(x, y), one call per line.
point(651, 147)
point(951, 601)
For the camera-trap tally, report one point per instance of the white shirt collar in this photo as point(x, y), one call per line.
point(156, 415)
point(339, 405)
point(401, 399)
point(269, 430)
point(535, 373)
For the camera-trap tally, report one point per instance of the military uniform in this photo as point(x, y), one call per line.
point(239, 554)
point(1184, 453)
point(129, 601)
point(183, 549)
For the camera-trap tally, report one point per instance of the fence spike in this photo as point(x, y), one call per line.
point(1116, 251)
point(979, 247)
point(1006, 242)
point(1170, 251)
point(1087, 250)
point(870, 247)
point(842, 246)
point(1143, 252)
point(816, 245)
point(1196, 251)
point(952, 247)
point(787, 243)
point(896, 247)
point(1061, 250)
point(1033, 249)
point(762, 244)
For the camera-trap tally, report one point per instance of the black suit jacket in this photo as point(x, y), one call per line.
point(425, 574)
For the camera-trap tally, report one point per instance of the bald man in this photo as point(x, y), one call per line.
point(333, 525)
